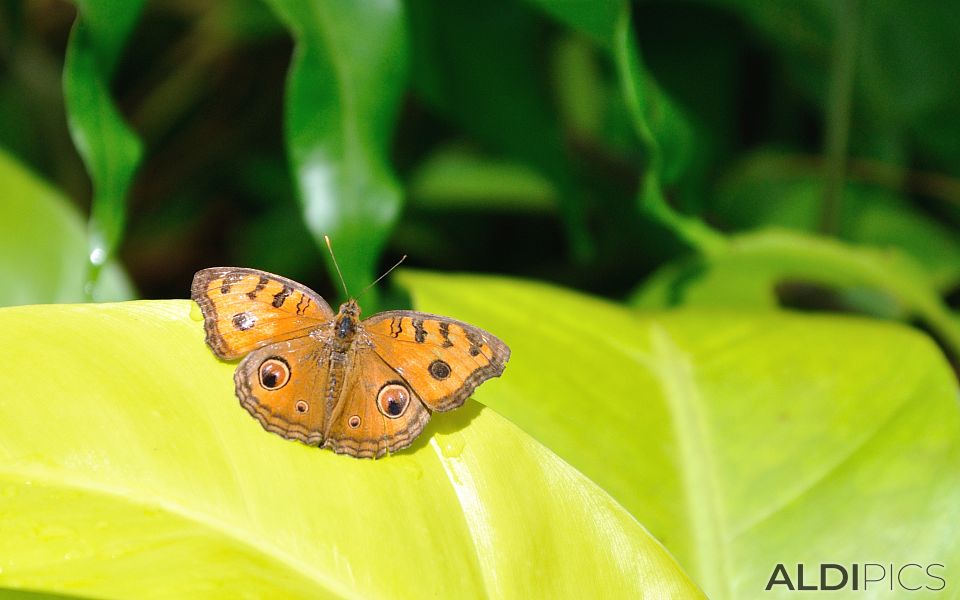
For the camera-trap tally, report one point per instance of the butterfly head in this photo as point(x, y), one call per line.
point(350, 308)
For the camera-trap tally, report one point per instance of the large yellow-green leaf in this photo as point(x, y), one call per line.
point(43, 247)
point(740, 440)
point(129, 470)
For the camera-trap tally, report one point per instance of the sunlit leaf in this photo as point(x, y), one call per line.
point(128, 469)
point(746, 276)
point(740, 440)
point(9, 594)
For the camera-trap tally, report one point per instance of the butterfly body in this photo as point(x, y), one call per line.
point(362, 388)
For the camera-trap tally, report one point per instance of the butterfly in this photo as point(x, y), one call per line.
point(361, 388)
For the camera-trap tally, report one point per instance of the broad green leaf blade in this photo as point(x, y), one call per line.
point(740, 440)
point(343, 91)
point(128, 469)
point(110, 150)
point(43, 245)
point(746, 273)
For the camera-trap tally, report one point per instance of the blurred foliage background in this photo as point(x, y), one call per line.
point(732, 153)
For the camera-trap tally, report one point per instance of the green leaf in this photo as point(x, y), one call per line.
point(110, 150)
point(740, 440)
point(746, 274)
point(457, 178)
point(343, 91)
point(128, 469)
point(657, 123)
point(43, 245)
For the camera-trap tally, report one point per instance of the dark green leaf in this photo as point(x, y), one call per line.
point(110, 150)
point(456, 178)
point(905, 92)
point(657, 123)
point(343, 90)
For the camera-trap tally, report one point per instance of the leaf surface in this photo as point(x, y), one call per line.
point(128, 469)
point(740, 440)
point(747, 273)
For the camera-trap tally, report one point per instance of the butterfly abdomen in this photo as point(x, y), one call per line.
point(335, 375)
point(342, 336)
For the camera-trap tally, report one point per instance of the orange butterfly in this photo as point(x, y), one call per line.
point(362, 388)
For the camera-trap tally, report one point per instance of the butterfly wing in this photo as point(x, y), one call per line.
point(245, 309)
point(442, 359)
point(377, 412)
point(284, 386)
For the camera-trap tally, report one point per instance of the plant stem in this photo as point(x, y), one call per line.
point(840, 96)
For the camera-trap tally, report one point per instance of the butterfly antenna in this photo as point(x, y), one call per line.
point(326, 238)
point(377, 280)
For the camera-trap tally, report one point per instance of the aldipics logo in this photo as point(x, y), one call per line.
point(861, 577)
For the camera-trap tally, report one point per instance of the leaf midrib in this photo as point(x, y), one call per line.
point(699, 474)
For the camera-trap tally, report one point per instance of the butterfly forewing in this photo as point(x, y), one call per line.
point(443, 359)
point(245, 309)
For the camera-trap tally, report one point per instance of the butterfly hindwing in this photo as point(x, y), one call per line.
point(284, 386)
point(442, 359)
point(245, 309)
